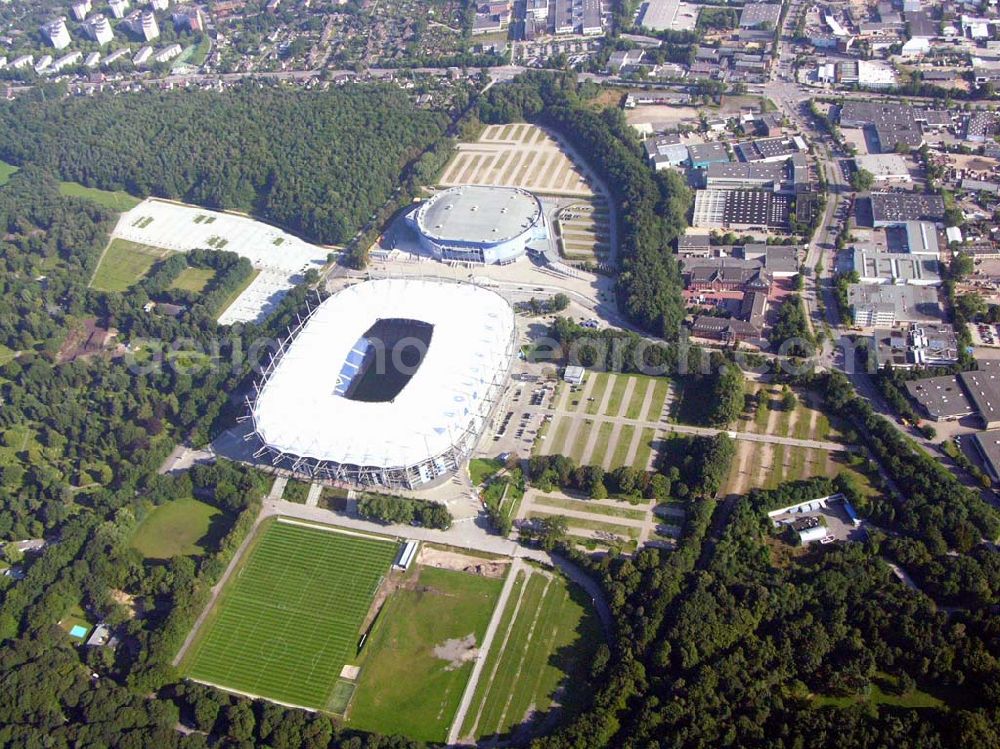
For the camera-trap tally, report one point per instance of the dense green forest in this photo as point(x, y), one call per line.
point(317, 162)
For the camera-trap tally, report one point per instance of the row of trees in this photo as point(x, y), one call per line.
point(403, 510)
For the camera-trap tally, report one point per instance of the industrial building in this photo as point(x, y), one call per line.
point(769, 149)
point(896, 268)
point(666, 151)
point(987, 444)
point(884, 167)
point(983, 388)
point(387, 383)
point(885, 305)
point(703, 154)
point(916, 346)
point(895, 208)
point(941, 398)
point(760, 15)
point(778, 176)
point(759, 210)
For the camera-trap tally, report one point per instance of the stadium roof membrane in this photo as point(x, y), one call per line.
point(303, 410)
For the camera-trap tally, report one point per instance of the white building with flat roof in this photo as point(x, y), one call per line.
point(57, 33)
point(99, 29)
point(142, 55)
point(80, 9)
point(142, 23)
point(167, 53)
point(118, 8)
point(65, 61)
point(884, 167)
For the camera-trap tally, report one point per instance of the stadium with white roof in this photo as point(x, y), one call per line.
point(480, 224)
point(386, 383)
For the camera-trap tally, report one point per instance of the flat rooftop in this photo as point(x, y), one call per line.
point(988, 445)
point(941, 397)
point(911, 303)
point(473, 213)
point(983, 386)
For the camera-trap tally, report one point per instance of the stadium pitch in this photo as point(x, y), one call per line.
point(289, 619)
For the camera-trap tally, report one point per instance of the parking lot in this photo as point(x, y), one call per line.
point(985, 334)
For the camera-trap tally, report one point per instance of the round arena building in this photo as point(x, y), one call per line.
point(480, 224)
point(387, 383)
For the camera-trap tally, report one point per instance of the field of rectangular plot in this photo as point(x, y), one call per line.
point(609, 420)
point(289, 618)
point(539, 659)
point(419, 656)
point(584, 230)
point(517, 155)
point(125, 263)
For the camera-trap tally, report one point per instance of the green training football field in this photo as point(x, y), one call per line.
point(289, 618)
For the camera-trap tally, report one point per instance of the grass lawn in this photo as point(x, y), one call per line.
point(404, 687)
point(660, 387)
point(617, 394)
point(481, 469)
point(124, 264)
point(296, 491)
point(625, 435)
point(193, 279)
point(634, 408)
point(180, 527)
point(543, 652)
point(117, 200)
point(76, 617)
point(645, 449)
point(626, 531)
point(602, 443)
point(239, 290)
point(560, 434)
point(289, 618)
point(592, 506)
point(876, 694)
point(581, 440)
point(597, 393)
point(6, 171)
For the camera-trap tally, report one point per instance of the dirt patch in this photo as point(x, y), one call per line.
point(85, 340)
point(457, 651)
point(453, 560)
point(129, 602)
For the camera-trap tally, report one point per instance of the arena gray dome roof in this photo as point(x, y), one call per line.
point(479, 214)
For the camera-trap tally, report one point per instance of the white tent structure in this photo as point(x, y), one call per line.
point(307, 420)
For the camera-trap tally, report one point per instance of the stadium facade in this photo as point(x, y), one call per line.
point(480, 224)
point(387, 383)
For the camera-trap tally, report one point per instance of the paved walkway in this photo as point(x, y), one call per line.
point(484, 650)
point(312, 498)
point(278, 488)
